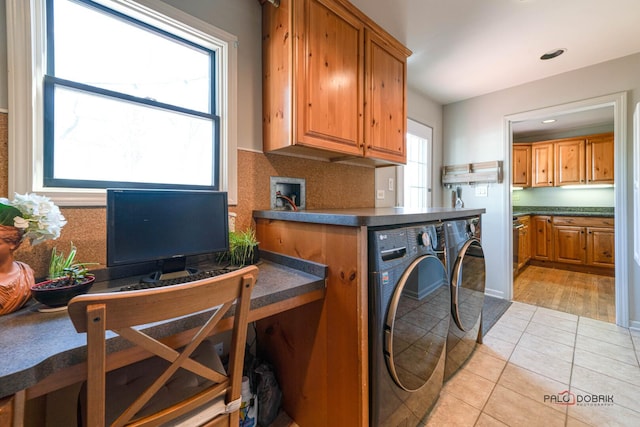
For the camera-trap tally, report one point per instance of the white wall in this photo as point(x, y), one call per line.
point(557, 196)
point(474, 131)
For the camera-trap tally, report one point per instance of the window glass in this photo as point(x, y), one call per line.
point(417, 182)
point(134, 143)
point(133, 96)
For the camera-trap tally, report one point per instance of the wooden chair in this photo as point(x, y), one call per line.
point(121, 311)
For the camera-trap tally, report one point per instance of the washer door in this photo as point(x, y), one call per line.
point(417, 322)
point(467, 285)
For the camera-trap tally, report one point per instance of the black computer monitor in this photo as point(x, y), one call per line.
point(165, 226)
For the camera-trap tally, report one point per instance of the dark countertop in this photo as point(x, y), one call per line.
point(370, 217)
point(34, 345)
point(563, 211)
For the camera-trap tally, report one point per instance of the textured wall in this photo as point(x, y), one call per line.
point(328, 186)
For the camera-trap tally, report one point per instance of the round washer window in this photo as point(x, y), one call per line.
point(417, 323)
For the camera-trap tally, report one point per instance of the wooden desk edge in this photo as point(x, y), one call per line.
point(76, 373)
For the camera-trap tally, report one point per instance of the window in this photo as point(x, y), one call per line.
point(417, 172)
point(145, 97)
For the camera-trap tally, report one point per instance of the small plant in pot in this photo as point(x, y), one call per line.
point(67, 278)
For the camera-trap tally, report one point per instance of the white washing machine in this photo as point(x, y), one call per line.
point(409, 311)
point(466, 268)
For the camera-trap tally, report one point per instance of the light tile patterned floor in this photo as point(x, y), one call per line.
point(533, 355)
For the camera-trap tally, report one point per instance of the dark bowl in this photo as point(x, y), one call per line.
point(47, 294)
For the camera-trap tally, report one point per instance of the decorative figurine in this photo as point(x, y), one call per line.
point(27, 216)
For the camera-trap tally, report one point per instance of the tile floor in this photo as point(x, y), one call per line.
point(534, 352)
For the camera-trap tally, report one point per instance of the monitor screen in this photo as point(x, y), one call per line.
point(164, 225)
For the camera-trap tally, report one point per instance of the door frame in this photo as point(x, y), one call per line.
point(619, 103)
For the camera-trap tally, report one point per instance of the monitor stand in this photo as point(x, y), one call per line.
point(170, 269)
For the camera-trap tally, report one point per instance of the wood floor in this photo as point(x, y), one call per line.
point(583, 294)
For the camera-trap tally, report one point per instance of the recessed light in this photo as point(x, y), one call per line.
point(553, 54)
point(546, 122)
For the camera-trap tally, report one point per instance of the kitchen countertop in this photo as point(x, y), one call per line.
point(563, 211)
point(34, 345)
point(370, 217)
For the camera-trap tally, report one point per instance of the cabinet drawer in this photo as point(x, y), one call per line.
point(583, 221)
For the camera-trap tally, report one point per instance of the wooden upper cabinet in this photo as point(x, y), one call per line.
point(600, 149)
point(569, 157)
point(334, 83)
point(570, 161)
point(329, 87)
point(521, 165)
point(542, 164)
point(385, 112)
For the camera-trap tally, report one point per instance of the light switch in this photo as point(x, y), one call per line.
point(391, 187)
point(481, 190)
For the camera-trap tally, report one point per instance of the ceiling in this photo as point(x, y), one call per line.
point(466, 48)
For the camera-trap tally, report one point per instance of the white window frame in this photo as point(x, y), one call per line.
point(425, 132)
point(26, 51)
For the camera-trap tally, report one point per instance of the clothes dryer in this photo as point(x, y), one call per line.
point(409, 306)
point(466, 268)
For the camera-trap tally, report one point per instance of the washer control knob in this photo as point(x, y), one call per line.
point(424, 239)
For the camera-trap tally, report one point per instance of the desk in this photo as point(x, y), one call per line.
point(42, 352)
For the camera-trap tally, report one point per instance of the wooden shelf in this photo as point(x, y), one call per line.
point(472, 173)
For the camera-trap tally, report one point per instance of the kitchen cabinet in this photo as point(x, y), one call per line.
point(334, 83)
point(524, 242)
point(569, 158)
point(542, 164)
point(569, 244)
point(541, 238)
point(571, 161)
point(600, 153)
point(584, 240)
point(601, 247)
point(521, 159)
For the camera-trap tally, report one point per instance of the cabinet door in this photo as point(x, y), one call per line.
point(523, 247)
point(541, 247)
point(570, 244)
point(569, 158)
point(330, 70)
point(600, 159)
point(385, 116)
point(521, 165)
point(600, 246)
point(542, 164)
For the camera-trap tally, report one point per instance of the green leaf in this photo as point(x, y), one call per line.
point(7, 213)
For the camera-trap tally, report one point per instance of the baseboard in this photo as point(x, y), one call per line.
point(634, 325)
point(494, 293)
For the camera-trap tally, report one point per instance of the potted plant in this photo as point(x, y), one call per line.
point(27, 217)
point(67, 278)
point(243, 247)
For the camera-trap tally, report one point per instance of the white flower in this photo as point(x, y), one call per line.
point(40, 218)
point(20, 222)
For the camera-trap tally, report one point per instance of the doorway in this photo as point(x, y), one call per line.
point(615, 103)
